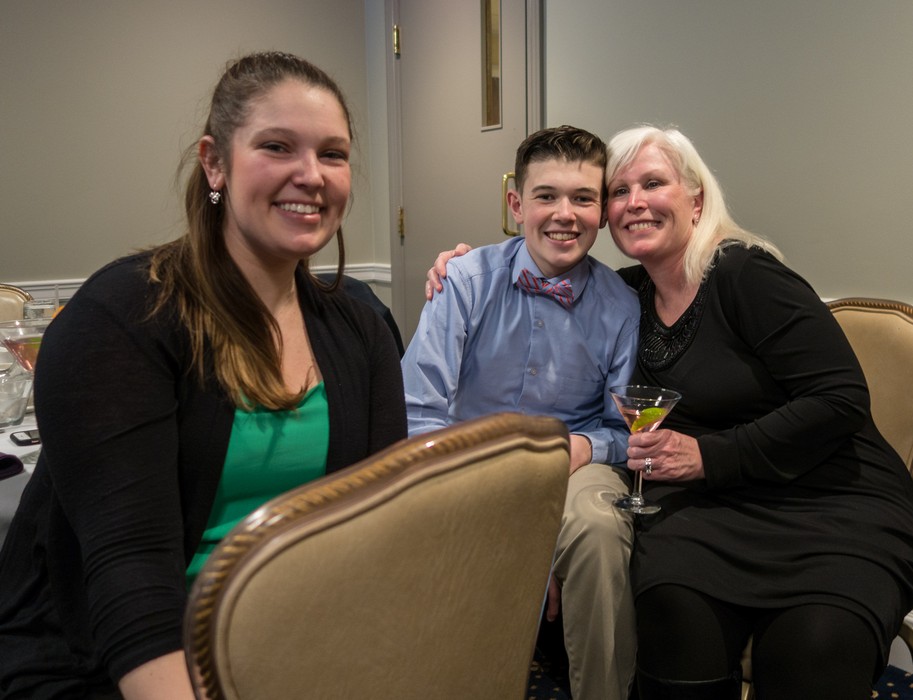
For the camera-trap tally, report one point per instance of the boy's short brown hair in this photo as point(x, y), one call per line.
point(562, 142)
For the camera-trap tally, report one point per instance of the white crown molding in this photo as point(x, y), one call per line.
point(366, 272)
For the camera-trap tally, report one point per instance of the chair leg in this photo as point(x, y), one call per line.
point(652, 688)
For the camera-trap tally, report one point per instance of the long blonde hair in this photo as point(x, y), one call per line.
point(716, 226)
point(215, 303)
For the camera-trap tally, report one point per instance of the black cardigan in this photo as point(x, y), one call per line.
point(92, 571)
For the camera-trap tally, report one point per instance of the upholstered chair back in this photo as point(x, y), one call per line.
point(881, 333)
point(418, 573)
point(11, 301)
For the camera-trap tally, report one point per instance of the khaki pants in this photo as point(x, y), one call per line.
point(594, 548)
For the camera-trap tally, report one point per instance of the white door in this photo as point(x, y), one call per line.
point(449, 164)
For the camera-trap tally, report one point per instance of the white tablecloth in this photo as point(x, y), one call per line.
point(7, 446)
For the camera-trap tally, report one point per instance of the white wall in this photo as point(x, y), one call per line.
point(803, 109)
point(98, 98)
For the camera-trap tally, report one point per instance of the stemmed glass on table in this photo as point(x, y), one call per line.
point(23, 339)
point(643, 408)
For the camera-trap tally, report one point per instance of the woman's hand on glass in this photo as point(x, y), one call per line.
point(672, 456)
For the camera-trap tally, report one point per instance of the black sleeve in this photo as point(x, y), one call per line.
point(106, 403)
point(799, 344)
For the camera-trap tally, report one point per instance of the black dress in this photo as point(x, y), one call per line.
point(803, 500)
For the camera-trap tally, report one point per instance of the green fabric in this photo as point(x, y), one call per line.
point(264, 459)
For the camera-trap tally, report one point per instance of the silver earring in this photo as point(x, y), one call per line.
point(215, 196)
point(696, 220)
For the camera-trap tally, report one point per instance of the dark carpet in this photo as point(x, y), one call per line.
point(548, 681)
point(894, 683)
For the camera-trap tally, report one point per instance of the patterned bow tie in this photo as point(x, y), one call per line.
point(560, 292)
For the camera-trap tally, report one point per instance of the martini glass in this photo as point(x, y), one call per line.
point(22, 338)
point(644, 408)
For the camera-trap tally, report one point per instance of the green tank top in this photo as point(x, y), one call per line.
point(269, 453)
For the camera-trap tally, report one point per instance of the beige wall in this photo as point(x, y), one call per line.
point(98, 98)
point(803, 109)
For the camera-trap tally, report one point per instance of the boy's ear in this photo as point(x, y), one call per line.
point(209, 158)
point(604, 218)
point(514, 202)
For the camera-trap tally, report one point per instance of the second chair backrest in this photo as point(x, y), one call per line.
point(419, 573)
point(11, 301)
point(881, 333)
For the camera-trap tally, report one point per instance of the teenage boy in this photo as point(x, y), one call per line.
point(534, 324)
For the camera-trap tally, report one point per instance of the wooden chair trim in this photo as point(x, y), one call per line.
point(392, 470)
point(15, 290)
point(869, 303)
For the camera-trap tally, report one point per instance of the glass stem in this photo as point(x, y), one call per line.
point(638, 485)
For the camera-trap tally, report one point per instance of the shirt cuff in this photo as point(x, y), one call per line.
point(599, 447)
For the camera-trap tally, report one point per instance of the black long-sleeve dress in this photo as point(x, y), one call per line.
point(803, 500)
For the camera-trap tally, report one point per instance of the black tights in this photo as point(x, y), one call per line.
point(807, 651)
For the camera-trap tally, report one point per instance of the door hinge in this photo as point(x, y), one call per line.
point(396, 41)
point(402, 224)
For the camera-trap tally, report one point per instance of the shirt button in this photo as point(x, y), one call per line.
point(540, 323)
point(534, 371)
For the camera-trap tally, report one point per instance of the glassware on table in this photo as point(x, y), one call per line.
point(643, 408)
point(45, 307)
point(22, 338)
point(39, 308)
point(15, 390)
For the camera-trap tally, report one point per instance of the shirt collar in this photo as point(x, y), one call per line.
point(577, 275)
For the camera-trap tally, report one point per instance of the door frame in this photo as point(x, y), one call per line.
point(535, 108)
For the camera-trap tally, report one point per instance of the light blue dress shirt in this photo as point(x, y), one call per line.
point(483, 346)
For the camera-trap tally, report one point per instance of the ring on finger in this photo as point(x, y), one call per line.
point(648, 465)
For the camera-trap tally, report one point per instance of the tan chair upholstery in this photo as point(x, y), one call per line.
point(11, 301)
point(418, 573)
point(881, 333)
